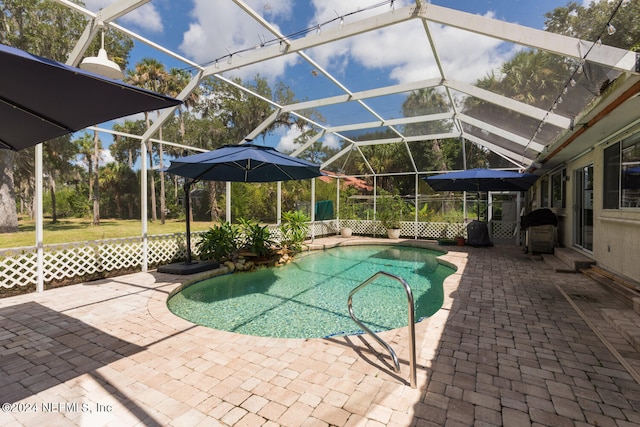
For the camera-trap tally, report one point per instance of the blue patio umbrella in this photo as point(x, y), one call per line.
point(481, 180)
point(243, 163)
point(239, 163)
point(41, 99)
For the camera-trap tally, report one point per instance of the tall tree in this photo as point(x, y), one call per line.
point(588, 23)
point(150, 74)
point(178, 79)
point(437, 154)
point(124, 149)
point(58, 154)
point(86, 150)
point(97, 148)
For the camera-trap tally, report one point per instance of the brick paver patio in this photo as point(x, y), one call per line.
point(506, 349)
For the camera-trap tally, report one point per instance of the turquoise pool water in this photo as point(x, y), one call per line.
point(308, 298)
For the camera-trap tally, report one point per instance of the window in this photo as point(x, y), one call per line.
point(621, 184)
point(544, 192)
point(552, 190)
point(558, 186)
point(630, 175)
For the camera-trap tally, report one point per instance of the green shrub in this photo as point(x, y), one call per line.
point(220, 242)
point(256, 238)
point(294, 229)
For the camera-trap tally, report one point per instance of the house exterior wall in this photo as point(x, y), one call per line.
point(616, 232)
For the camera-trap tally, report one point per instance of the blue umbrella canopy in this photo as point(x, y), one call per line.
point(243, 163)
point(239, 163)
point(41, 99)
point(481, 180)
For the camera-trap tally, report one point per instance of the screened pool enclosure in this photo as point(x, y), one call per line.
point(388, 92)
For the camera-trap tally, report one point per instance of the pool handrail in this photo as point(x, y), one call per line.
point(411, 326)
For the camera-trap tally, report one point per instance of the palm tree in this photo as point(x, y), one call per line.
point(85, 148)
point(150, 74)
point(124, 149)
point(57, 155)
point(97, 147)
point(178, 79)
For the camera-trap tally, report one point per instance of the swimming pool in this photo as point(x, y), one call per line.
point(308, 298)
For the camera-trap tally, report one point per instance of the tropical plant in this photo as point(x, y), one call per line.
point(294, 229)
point(256, 238)
point(348, 210)
point(220, 242)
point(390, 211)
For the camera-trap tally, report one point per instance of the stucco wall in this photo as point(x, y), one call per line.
point(616, 233)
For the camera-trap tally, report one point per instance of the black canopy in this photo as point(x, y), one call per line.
point(41, 99)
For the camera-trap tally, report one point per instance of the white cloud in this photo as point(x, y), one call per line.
point(403, 50)
point(106, 157)
point(287, 138)
point(220, 28)
point(145, 17)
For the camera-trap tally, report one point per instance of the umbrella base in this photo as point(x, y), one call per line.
point(183, 267)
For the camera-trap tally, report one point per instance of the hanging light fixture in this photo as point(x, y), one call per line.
point(101, 64)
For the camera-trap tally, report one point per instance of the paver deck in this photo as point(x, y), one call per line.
point(515, 344)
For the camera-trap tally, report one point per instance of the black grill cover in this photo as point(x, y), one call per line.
point(478, 234)
point(538, 217)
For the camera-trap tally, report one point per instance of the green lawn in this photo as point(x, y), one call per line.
point(79, 230)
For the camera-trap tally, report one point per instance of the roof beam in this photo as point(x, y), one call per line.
point(263, 53)
point(609, 56)
point(365, 94)
point(508, 103)
point(499, 150)
point(392, 122)
point(502, 133)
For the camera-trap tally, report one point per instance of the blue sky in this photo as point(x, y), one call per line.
point(203, 30)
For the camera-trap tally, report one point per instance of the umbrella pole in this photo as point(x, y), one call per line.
point(187, 205)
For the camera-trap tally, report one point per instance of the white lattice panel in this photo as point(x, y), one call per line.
point(67, 261)
point(503, 229)
point(121, 254)
point(83, 259)
point(324, 228)
point(17, 267)
point(166, 248)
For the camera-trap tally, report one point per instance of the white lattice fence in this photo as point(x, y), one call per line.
point(120, 254)
point(70, 260)
point(86, 259)
point(17, 267)
point(422, 230)
point(324, 228)
point(503, 229)
point(442, 230)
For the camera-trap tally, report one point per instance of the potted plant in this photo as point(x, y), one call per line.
point(390, 214)
point(347, 213)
